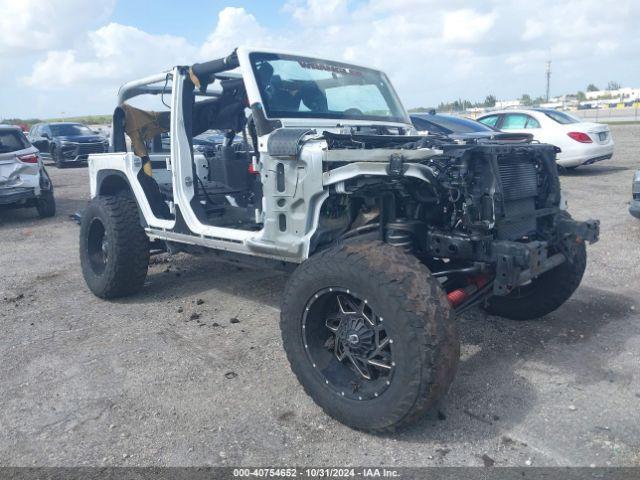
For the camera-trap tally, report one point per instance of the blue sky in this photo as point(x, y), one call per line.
point(186, 17)
point(68, 57)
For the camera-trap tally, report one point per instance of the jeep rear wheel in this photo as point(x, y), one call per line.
point(544, 294)
point(369, 334)
point(114, 249)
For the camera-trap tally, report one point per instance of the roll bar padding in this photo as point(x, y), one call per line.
point(204, 71)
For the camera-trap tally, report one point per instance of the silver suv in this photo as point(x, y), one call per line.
point(24, 182)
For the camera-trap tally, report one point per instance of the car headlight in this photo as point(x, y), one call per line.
point(199, 148)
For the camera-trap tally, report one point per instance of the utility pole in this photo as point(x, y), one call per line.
point(548, 73)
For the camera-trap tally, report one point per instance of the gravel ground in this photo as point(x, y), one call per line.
point(136, 382)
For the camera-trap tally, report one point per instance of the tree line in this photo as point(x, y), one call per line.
point(87, 119)
point(489, 101)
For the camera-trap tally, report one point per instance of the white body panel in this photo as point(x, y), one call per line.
point(301, 201)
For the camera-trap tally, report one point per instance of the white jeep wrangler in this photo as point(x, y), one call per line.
point(389, 235)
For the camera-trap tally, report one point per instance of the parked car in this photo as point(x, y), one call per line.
point(67, 142)
point(24, 182)
point(634, 206)
point(461, 128)
point(581, 143)
point(201, 144)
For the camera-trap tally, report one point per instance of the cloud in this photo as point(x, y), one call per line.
point(466, 26)
point(317, 12)
point(118, 53)
point(31, 25)
point(113, 53)
point(432, 50)
point(533, 29)
point(235, 27)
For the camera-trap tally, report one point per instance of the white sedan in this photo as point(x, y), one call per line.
point(581, 143)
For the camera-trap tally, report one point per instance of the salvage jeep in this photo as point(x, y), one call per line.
point(388, 235)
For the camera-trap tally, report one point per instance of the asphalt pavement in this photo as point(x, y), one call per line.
point(191, 371)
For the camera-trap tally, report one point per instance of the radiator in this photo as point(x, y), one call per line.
point(519, 178)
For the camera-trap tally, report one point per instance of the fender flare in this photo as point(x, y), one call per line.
point(111, 181)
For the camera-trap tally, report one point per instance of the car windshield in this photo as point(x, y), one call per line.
point(12, 141)
point(458, 124)
point(70, 130)
point(561, 117)
point(300, 87)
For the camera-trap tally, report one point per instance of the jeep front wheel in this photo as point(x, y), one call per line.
point(114, 248)
point(369, 334)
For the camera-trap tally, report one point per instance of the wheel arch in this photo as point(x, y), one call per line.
point(110, 182)
point(323, 236)
point(113, 182)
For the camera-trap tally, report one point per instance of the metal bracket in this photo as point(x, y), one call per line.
point(588, 231)
point(396, 165)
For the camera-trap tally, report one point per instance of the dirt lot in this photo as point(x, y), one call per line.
point(136, 382)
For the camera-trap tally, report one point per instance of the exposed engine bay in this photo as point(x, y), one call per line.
point(489, 217)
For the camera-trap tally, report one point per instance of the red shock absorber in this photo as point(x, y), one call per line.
point(458, 296)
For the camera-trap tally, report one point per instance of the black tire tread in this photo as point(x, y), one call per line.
point(46, 204)
point(126, 274)
point(423, 302)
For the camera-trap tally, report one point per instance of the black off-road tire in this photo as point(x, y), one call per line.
point(544, 294)
point(46, 204)
point(416, 314)
point(124, 267)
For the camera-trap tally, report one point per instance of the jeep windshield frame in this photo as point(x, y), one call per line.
point(298, 87)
